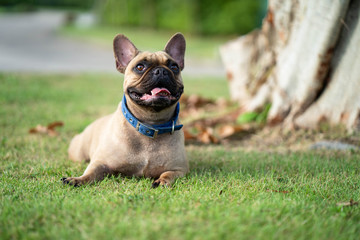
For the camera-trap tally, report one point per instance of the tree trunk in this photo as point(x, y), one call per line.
point(305, 61)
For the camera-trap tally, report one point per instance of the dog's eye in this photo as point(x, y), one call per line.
point(140, 67)
point(174, 68)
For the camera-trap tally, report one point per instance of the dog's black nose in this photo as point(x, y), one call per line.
point(160, 71)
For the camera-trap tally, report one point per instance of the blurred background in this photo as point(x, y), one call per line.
point(56, 56)
point(76, 35)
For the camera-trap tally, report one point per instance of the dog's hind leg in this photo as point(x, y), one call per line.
point(77, 151)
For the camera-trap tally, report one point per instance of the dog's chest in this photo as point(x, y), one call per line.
point(154, 159)
point(153, 156)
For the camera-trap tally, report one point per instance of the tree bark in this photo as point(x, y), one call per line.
point(304, 61)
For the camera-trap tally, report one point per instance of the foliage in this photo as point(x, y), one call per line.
point(192, 16)
point(259, 117)
point(199, 16)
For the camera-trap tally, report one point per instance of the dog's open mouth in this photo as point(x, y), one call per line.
point(155, 93)
point(157, 98)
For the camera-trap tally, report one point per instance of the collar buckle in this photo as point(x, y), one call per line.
point(147, 130)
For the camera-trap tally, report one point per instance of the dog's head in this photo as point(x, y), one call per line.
point(152, 80)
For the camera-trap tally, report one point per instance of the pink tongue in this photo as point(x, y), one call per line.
point(154, 93)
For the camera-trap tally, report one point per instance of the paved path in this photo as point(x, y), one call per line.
point(29, 43)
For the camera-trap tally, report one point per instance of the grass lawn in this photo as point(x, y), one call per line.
point(229, 193)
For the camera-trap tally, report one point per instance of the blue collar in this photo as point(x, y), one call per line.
point(152, 130)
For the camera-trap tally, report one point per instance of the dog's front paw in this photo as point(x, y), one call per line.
point(161, 182)
point(73, 181)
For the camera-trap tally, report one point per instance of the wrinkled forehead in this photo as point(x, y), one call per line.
point(157, 58)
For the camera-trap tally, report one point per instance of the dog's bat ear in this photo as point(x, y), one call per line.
point(124, 51)
point(175, 47)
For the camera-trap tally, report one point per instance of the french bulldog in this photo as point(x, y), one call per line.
point(143, 137)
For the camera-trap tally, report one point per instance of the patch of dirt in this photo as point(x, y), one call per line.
point(274, 139)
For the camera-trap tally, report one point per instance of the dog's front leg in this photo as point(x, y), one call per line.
point(94, 172)
point(167, 178)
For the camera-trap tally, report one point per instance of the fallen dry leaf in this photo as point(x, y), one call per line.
point(347, 204)
point(270, 190)
point(55, 124)
point(207, 136)
point(49, 129)
point(209, 129)
point(229, 130)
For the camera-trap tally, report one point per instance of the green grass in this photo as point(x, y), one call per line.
point(229, 193)
point(145, 39)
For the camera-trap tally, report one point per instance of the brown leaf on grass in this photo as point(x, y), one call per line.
point(55, 124)
point(204, 135)
point(207, 136)
point(271, 190)
point(48, 130)
point(207, 128)
point(347, 204)
point(38, 129)
point(229, 130)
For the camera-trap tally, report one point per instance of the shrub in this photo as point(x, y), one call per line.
point(196, 16)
